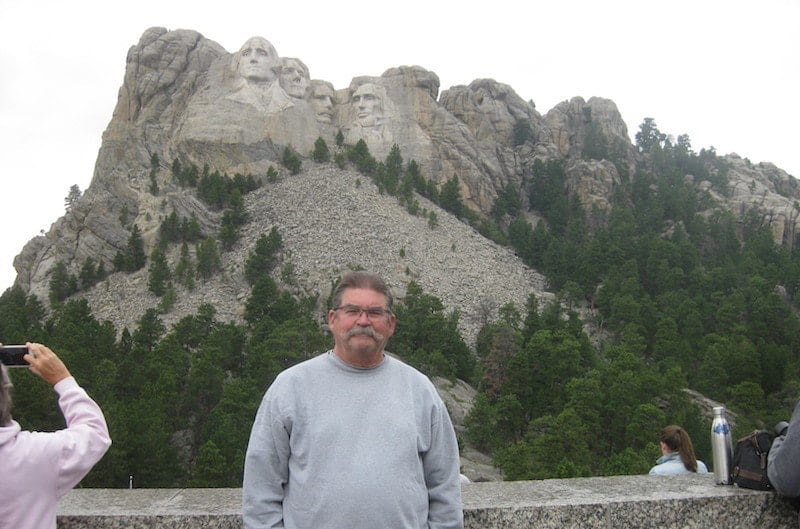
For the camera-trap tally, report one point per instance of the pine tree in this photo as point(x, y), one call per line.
point(236, 208)
point(262, 260)
point(169, 231)
point(159, 273)
point(449, 197)
point(61, 283)
point(210, 466)
point(88, 274)
point(135, 258)
point(184, 271)
point(72, 197)
point(177, 171)
point(190, 229)
point(153, 174)
point(394, 168)
point(321, 153)
point(290, 160)
point(228, 231)
point(208, 260)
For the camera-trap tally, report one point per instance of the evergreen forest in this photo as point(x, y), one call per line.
point(653, 298)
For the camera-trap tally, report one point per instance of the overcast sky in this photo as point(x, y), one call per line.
point(727, 73)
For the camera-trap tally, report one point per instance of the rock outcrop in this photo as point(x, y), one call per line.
point(186, 98)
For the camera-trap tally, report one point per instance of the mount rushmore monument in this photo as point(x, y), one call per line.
point(185, 98)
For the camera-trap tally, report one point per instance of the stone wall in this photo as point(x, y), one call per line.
point(611, 502)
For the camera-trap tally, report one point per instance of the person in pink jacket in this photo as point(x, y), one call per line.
point(37, 468)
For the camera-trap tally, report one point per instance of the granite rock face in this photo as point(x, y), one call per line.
point(186, 98)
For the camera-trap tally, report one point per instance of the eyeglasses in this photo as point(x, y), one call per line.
point(354, 311)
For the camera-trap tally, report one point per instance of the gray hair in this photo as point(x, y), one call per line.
point(365, 280)
point(5, 396)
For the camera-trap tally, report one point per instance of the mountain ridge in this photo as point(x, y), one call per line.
point(470, 132)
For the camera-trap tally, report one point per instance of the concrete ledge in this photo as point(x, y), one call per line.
point(612, 502)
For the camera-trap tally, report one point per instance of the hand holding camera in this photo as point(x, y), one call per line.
point(39, 358)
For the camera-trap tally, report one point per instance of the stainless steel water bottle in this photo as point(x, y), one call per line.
point(721, 446)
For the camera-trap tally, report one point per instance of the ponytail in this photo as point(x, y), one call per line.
point(678, 440)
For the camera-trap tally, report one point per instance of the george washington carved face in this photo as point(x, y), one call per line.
point(258, 61)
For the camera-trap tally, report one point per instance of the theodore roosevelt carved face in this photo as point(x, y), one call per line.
point(322, 100)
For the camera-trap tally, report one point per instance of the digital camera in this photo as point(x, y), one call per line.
point(13, 355)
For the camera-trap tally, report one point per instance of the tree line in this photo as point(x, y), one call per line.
point(683, 299)
point(688, 300)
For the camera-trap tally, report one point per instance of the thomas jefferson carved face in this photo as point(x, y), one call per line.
point(322, 101)
point(368, 105)
point(294, 78)
point(258, 60)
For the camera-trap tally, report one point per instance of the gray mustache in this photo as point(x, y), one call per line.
point(368, 331)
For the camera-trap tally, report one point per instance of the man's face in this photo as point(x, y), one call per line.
point(322, 102)
point(294, 80)
point(359, 336)
point(257, 59)
point(368, 105)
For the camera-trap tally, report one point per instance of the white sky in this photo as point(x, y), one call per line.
point(727, 73)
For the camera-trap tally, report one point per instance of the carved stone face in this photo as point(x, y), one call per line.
point(368, 105)
point(258, 60)
point(322, 101)
point(294, 78)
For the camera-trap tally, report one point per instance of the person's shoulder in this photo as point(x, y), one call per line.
point(701, 467)
point(668, 468)
point(396, 363)
point(303, 369)
point(412, 376)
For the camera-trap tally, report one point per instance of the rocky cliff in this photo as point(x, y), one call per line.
point(186, 98)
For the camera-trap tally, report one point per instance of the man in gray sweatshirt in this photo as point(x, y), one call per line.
point(353, 438)
point(783, 461)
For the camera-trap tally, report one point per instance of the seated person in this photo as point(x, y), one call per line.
point(678, 454)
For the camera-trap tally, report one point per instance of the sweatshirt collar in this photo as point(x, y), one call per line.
point(356, 369)
point(674, 456)
point(9, 432)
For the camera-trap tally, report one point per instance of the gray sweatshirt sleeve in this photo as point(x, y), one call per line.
point(783, 466)
point(266, 467)
point(442, 476)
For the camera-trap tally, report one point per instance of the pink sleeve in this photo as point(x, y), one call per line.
point(85, 439)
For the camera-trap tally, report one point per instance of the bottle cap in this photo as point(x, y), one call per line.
point(719, 410)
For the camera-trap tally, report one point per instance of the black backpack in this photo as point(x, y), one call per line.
point(749, 466)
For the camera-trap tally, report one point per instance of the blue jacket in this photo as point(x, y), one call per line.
point(671, 464)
